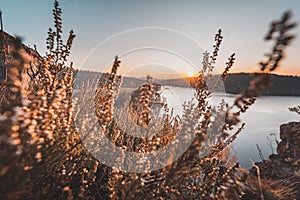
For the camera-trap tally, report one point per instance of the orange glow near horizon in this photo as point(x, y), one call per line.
point(190, 74)
point(159, 71)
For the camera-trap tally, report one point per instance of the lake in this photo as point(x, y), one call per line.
point(262, 119)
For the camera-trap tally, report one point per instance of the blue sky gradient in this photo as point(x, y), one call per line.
point(244, 24)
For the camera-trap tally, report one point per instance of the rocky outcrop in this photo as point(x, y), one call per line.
point(284, 167)
point(289, 147)
point(6, 44)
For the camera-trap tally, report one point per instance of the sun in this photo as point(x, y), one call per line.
point(190, 74)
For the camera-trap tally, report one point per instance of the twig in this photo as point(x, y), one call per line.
point(259, 181)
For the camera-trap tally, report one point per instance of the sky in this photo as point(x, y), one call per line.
point(160, 36)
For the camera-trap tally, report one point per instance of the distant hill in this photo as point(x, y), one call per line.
point(280, 85)
point(90, 76)
point(234, 83)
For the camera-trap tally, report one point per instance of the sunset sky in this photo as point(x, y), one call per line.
point(176, 34)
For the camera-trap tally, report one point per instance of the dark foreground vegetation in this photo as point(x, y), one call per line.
point(43, 131)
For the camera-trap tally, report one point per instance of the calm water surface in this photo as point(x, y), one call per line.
point(262, 119)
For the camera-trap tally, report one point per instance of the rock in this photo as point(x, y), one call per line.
point(286, 164)
point(289, 148)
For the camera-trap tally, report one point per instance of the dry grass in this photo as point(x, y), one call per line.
point(43, 151)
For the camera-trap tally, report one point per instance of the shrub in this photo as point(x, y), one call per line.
point(43, 151)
